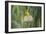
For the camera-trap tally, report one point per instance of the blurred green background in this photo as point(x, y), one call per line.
point(19, 12)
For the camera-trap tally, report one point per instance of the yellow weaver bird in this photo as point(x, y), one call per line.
point(26, 13)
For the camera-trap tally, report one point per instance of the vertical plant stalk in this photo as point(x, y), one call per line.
point(17, 10)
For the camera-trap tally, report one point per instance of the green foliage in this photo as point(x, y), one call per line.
point(18, 13)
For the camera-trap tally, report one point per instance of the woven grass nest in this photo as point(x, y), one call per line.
point(28, 18)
